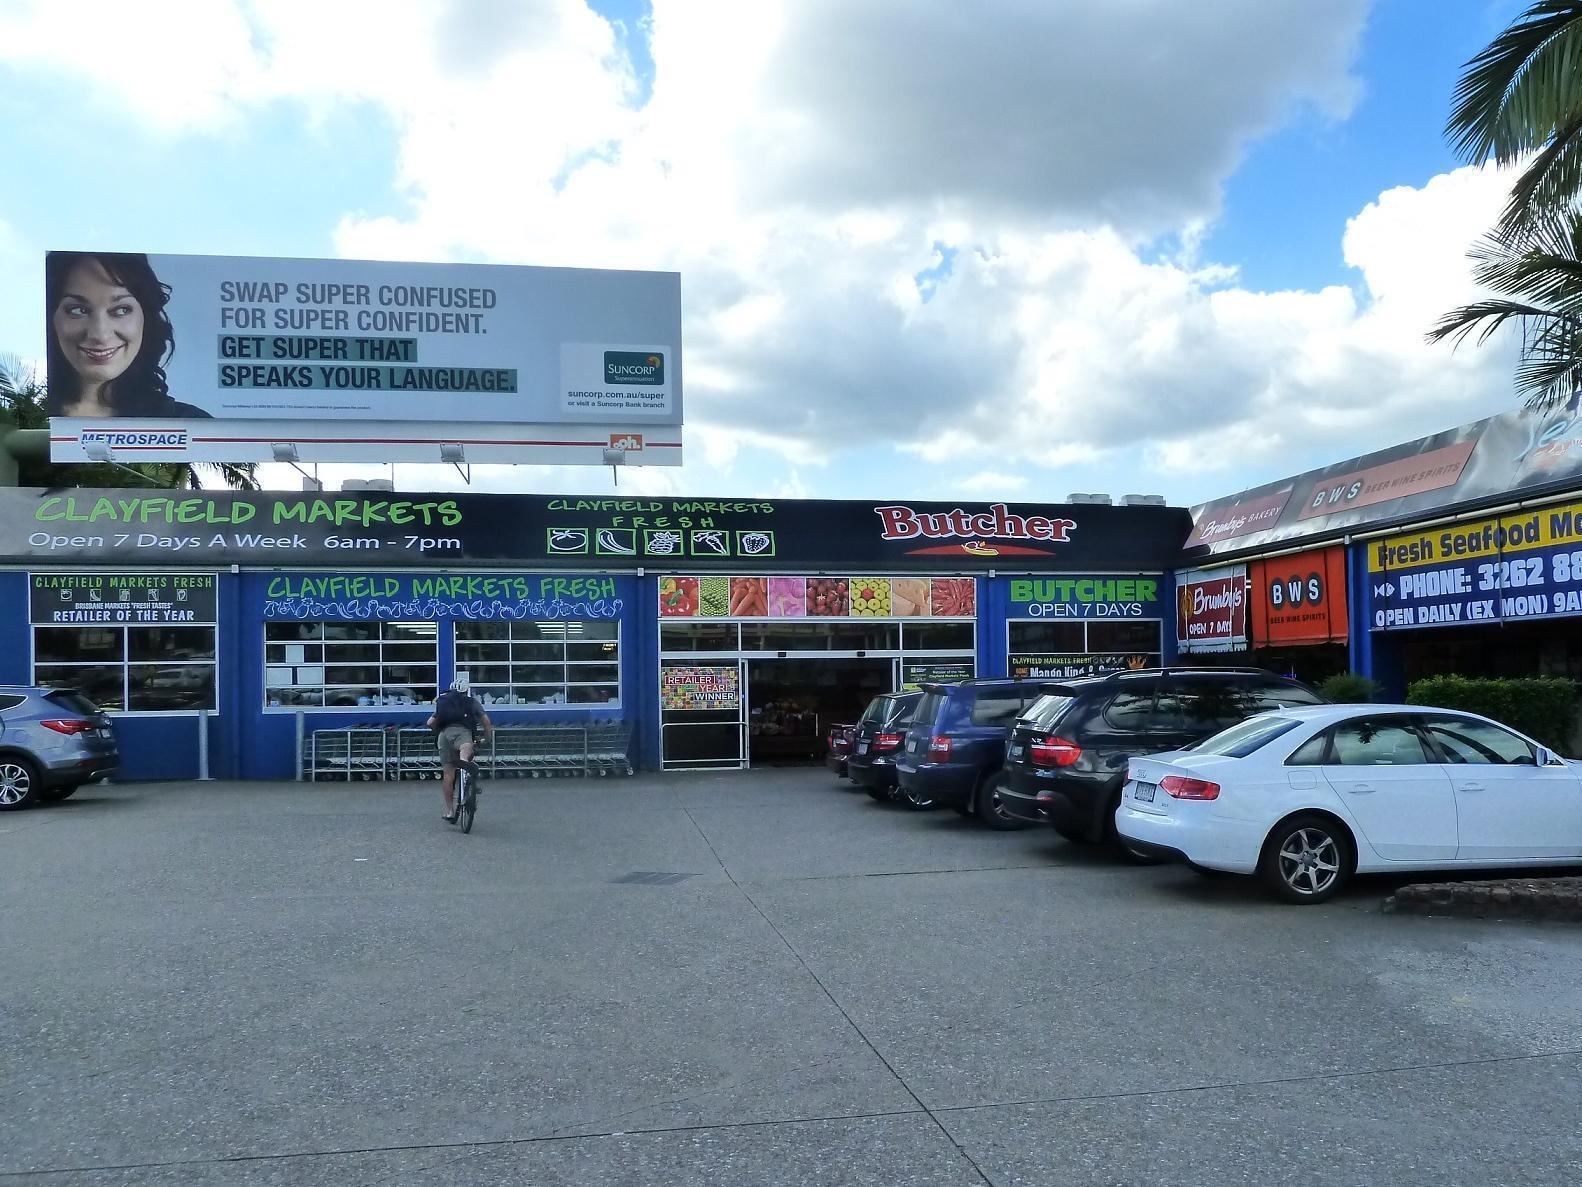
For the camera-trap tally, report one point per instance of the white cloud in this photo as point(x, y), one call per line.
point(801, 164)
point(992, 483)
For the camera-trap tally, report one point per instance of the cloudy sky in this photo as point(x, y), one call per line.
point(1015, 248)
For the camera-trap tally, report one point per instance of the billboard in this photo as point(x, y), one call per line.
point(1522, 453)
point(226, 358)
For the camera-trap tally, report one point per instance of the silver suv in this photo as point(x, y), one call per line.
point(52, 741)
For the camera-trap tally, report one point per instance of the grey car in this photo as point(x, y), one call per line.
point(52, 741)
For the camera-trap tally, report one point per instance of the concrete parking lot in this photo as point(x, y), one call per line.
point(734, 978)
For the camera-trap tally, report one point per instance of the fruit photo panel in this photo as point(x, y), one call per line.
point(749, 597)
point(678, 597)
point(787, 597)
point(714, 596)
point(828, 597)
point(870, 597)
point(909, 597)
point(953, 597)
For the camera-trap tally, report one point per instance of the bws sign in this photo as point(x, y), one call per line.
point(1301, 598)
point(1211, 609)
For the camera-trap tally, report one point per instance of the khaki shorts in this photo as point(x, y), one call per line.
point(450, 741)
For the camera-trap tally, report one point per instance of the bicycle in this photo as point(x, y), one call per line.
point(466, 794)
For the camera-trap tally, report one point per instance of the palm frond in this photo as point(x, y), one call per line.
point(1515, 94)
point(1487, 317)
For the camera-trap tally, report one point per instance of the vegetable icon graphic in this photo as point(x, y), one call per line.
point(610, 542)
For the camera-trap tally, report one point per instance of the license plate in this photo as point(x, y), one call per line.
point(1016, 750)
point(1144, 792)
point(862, 748)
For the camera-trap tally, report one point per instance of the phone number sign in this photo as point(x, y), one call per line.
point(1501, 569)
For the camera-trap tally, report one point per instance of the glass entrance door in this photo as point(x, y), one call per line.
point(701, 714)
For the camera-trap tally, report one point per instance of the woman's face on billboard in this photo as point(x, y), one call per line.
point(98, 323)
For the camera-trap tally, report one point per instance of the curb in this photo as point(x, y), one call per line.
point(1505, 898)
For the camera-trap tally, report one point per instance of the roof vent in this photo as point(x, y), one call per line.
point(1096, 498)
point(1142, 500)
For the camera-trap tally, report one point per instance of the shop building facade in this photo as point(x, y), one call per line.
point(718, 633)
point(1454, 553)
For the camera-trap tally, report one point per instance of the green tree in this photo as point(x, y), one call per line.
point(1523, 96)
point(23, 393)
point(1538, 269)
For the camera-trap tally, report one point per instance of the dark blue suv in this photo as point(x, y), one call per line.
point(956, 746)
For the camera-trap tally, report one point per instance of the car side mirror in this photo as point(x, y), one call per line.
point(1548, 758)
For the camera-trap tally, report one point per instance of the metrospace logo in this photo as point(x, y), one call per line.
point(134, 438)
point(973, 530)
point(627, 367)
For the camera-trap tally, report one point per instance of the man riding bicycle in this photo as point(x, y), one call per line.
point(459, 723)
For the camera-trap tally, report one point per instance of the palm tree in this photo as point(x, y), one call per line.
point(1538, 267)
point(1521, 95)
point(22, 394)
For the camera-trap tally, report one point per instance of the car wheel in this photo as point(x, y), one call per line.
point(918, 801)
point(18, 783)
point(988, 806)
point(50, 794)
point(1307, 859)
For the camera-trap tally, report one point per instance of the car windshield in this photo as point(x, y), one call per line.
point(1245, 737)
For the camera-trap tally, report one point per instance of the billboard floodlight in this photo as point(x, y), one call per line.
point(284, 451)
point(452, 452)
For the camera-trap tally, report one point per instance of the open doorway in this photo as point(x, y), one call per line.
point(792, 702)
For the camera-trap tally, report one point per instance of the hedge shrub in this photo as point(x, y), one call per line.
point(1542, 707)
point(1349, 688)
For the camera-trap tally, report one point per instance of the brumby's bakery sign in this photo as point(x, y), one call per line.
point(1211, 609)
point(975, 533)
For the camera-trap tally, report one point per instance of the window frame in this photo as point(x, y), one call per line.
point(324, 663)
point(126, 664)
point(567, 665)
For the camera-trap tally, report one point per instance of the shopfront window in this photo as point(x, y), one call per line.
point(344, 664)
point(1057, 649)
point(137, 669)
point(541, 663)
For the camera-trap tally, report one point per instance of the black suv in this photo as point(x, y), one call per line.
point(880, 733)
point(1067, 758)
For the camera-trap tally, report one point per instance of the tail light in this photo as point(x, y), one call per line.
point(939, 748)
point(1053, 752)
point(1183, 788)
point(67, 725)
point(887, 741)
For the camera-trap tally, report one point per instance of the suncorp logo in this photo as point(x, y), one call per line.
point(135, 438)
point(633, 367)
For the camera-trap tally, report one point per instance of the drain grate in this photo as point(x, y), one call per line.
point(652, 878)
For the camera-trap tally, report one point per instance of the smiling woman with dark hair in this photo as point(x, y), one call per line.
point(109, 337)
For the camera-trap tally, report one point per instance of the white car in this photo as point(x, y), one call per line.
point(1304, 798)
